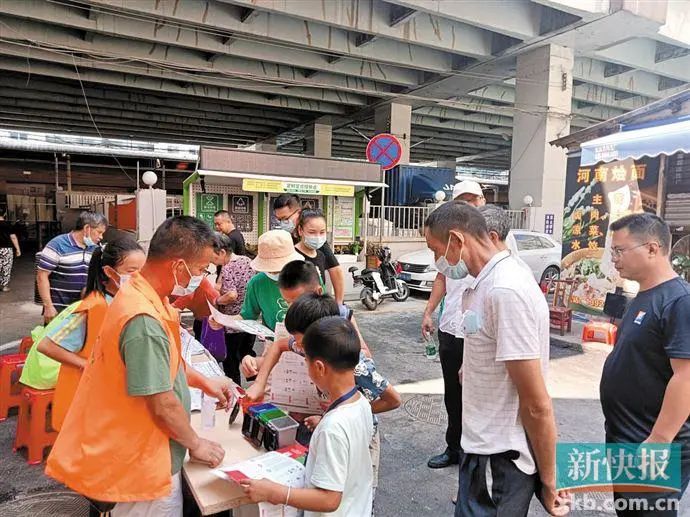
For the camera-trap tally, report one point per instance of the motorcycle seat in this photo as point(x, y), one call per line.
point(368, 270)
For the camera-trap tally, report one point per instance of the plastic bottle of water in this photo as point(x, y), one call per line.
point(431, 346)
point(208, 412)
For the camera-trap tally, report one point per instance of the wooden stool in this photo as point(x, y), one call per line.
point(25, 345)
point(600, 332)
point(11, 366)
point(560, 313)
point(34, 430)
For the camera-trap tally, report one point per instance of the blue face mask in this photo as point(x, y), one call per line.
point(88, 241)
point(454, 272)
point(194, 283)
point(314, 242)
point(286, 225)
point(273, 276)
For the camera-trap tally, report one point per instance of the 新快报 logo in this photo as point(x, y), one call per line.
point(629, 467)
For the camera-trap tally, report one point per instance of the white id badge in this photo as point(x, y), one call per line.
point(471, 323)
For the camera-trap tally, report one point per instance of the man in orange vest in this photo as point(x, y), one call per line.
point(127, 432)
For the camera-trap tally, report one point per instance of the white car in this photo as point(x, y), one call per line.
point(538, 250)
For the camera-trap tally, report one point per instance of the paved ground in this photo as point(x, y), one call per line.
point(415, 432)
point(410, 435)
point(18, 313)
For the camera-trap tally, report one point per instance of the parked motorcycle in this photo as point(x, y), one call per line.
point(380, 283)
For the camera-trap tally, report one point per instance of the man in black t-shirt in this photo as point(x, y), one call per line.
point(645, 383)
point(222, 220)
point(287, 209)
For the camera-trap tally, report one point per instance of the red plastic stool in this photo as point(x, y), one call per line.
point(600, 332)
point(25, 345)
point(11, 366)
point(33, 424)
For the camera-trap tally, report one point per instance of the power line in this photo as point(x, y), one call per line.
point(88, 109)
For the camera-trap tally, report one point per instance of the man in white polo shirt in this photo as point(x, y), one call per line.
point(508, 425)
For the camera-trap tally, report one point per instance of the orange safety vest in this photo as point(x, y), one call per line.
point(94, 306)
point(110, 448)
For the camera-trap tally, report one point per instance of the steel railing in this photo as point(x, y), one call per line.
point(86, 199)
point(397, 221)
point(407, 222)
point(518, 219)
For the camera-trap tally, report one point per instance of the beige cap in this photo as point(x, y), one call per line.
point(467, 187)
point(275, 250)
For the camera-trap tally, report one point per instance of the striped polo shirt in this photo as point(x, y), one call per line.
point(68, 264)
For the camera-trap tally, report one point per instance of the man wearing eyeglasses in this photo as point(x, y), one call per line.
point(646, 378)
point(288, 208)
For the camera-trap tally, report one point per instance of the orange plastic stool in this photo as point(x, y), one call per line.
point(11, 366)
point(33, 424)
point(600, 332)
point(25, 345)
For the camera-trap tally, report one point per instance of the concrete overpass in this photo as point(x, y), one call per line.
point(487, 82)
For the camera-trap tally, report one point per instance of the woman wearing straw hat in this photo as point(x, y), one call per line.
point(262, 296)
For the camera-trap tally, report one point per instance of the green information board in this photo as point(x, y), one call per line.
point(207, 205)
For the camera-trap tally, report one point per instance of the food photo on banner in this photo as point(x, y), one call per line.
point(595, 197)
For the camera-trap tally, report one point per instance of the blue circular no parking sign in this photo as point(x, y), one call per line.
point(384, 149)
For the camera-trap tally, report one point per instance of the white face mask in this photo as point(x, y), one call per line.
point(194, 283)
point(124, 278)
point(273, 276)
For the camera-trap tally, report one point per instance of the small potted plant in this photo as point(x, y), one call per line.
point(345, 254)
point(373, 250)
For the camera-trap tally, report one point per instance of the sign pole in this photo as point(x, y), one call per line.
point(365, 205)
point(382, 219)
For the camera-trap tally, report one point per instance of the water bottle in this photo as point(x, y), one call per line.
point(208, 412)
point(431, 346)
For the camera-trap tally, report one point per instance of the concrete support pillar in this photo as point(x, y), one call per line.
point(267, 146)
point(69, 173)
point(543, 93)
point(318, 136)
point(396, 119)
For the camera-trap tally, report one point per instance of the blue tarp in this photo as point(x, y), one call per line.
point(665, 139)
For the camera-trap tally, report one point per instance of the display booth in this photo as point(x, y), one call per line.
point(245, 183)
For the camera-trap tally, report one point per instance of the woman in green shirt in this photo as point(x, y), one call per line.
point(262, 297)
